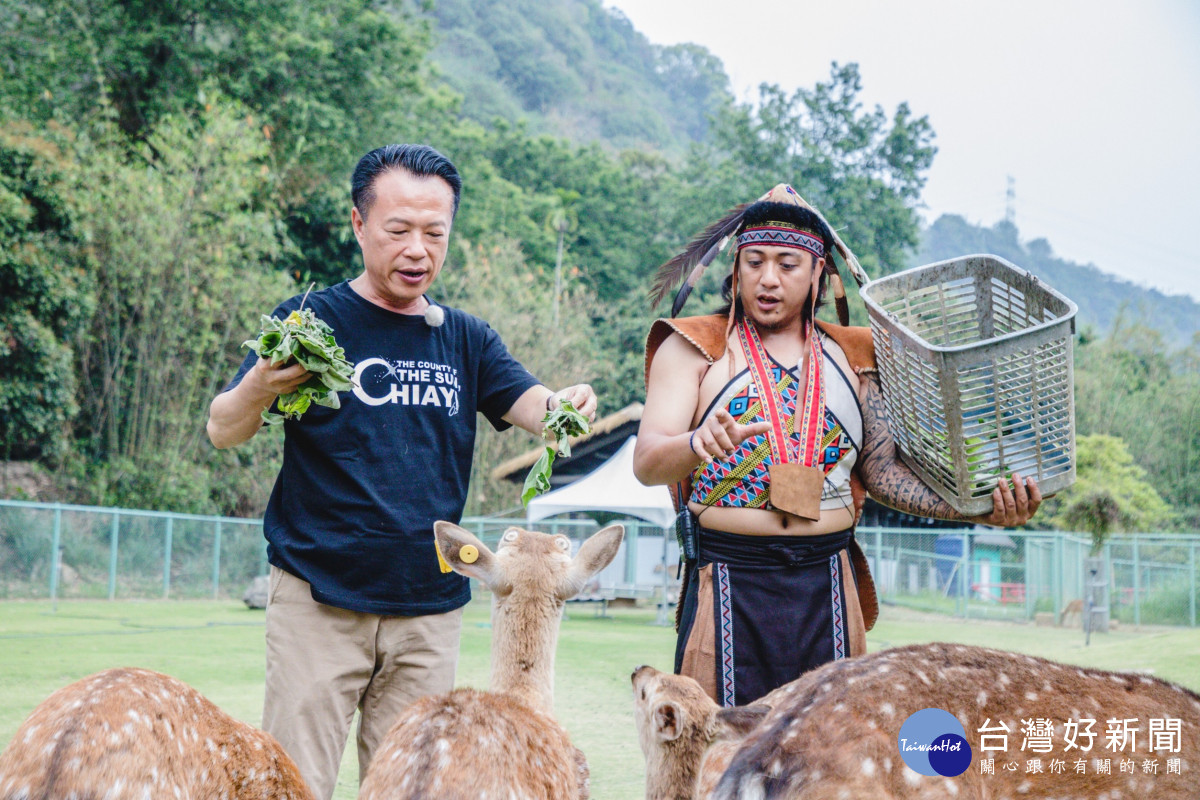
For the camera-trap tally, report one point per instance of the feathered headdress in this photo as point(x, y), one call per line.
point(703, 249)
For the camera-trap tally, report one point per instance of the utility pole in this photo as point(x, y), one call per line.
point(1010, 197)
point(561, 225)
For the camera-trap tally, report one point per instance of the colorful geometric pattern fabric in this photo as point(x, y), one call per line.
point(839, 623)
point(725, 624)
point(743, 479)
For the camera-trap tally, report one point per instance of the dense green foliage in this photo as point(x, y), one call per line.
point(1132, 386)
point(44, 300)
point(309, 69)
point(574, 68)
point(1110, 495)
point(170, 172)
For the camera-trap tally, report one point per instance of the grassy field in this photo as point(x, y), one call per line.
point(217, 647)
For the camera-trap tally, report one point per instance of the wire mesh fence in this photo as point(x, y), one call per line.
point(63, 551)
point(1034, 575)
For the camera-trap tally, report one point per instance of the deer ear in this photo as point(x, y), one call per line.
point(737, 721)
point(466, 555)
point(668, 721)
point(594, 555)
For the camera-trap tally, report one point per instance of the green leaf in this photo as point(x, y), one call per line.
point(563, 423)
point(538, 479)
point(303, 337)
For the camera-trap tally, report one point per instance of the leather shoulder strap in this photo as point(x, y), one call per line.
point(706, 334)
point(855, 342)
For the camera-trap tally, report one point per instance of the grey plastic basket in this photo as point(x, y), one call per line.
point(975, 359)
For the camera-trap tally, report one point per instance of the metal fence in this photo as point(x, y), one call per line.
point(63, 551)
point(1036, 576)
point(50, 550)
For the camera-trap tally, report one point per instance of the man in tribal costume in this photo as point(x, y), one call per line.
point(768, 426)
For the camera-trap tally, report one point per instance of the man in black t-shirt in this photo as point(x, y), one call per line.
point(359, 616)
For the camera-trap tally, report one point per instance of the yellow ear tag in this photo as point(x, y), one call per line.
point(468, 554)
point(442, 563)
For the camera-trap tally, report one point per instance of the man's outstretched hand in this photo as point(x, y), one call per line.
point(720, 434)
point(581, 396)
point(1012, 507)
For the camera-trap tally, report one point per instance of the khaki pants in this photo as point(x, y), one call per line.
point(325, 662)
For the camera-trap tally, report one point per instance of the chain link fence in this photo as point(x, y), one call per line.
point(1041, 576)
point(62, 551)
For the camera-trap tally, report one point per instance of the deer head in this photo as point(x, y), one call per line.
point(531, 575)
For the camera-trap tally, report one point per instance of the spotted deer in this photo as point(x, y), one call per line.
point(833, 733)
point(686, 737)
point(505, 742)
point(132, 734)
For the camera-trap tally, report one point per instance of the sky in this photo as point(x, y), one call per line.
point(1091, 108)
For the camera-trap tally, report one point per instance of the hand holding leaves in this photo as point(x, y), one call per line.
point(308, 341)
point(563, 422)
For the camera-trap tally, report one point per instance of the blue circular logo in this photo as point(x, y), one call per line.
point(933, 742)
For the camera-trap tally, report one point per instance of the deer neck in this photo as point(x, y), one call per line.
point(524, 638)
point(672, 775)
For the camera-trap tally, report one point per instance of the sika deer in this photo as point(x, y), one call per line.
point(503, 743)
point(833, 733)
point(686, 737)
point(131, 734)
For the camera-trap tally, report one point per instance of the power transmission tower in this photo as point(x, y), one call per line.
point(1010, 197)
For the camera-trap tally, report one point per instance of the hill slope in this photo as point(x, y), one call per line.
point(1102, 298)
point(574, 69)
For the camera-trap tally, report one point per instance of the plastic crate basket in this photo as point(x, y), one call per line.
point(975, 359)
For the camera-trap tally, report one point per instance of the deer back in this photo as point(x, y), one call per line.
point(133, 733)
point(833, 732)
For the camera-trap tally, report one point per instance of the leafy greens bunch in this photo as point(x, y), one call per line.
point(564, 422)
point(309, 341)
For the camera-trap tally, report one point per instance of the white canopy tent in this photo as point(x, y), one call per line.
point(610, 487)
point(613, 487)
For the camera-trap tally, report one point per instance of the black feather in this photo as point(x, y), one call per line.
point(685, 290)
point(699, 253)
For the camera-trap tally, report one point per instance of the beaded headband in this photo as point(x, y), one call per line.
point(780, 234)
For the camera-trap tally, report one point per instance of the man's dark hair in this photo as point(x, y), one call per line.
point(416, 159)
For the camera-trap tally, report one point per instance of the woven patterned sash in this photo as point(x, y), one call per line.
point(814, 399)
point(796, 479)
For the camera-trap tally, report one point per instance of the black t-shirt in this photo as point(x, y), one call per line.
point(354, 504)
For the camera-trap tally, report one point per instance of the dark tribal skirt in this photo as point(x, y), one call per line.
point(760, 610)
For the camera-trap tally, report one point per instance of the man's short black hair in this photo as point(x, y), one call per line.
point(417, 159)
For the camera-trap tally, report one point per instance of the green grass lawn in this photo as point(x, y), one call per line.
point(217, 647)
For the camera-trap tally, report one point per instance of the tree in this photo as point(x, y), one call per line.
point(562, 219)
point(1111, 494)
point(325, 79)
point(494, 283)
point(45, 295)
point(1129, 384)
point(863, 170)
point(182, 232)
point(696, 81)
